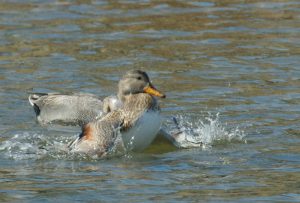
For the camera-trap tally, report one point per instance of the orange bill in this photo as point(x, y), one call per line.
point(151, 90)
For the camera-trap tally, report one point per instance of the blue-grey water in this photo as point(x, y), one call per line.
point(231, 72)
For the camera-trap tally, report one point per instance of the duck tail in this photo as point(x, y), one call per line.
point(33, 98)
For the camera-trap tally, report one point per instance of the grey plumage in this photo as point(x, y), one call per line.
point(70, 109)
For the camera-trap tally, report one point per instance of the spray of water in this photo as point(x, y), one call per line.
point(33, 146)
point(202, 133)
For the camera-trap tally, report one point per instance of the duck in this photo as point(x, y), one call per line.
point(83, 108)
point(133, 126)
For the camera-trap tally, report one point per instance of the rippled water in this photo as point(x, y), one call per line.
point(231, 73)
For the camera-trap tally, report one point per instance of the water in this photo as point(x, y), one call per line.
point(231, 73)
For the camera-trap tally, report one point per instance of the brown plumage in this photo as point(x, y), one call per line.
point(99, 137)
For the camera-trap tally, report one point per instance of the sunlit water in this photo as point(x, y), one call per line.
point(231, 73)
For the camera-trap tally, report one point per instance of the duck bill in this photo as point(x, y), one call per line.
point(153, 91)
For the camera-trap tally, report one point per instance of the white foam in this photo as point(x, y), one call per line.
point(32, 146)
point(206, 132)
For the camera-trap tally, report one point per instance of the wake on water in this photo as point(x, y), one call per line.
point(201, 133)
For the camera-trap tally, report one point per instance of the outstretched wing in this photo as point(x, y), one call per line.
point(101, 137)
point(68, 109)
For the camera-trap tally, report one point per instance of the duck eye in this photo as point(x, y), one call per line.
point(139, 78)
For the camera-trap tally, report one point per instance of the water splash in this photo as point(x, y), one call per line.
point(33, 146)
point(204, 133)
point(24, 146)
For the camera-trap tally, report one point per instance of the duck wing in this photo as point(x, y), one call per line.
point(100, 137)
point(68, 109)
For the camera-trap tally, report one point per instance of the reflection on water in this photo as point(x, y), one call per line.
point(236, 58)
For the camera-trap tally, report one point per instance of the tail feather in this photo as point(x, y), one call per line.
point(33, 98)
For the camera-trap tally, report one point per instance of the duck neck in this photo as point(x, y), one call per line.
point(140, 102)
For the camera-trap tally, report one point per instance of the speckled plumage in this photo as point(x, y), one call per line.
point(98, 137)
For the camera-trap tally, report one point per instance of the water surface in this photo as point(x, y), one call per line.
point(231, 73)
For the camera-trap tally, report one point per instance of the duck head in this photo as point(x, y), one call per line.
point(135, 82)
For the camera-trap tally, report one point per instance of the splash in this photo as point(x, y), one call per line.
point(32, 146)
point(194, 132)
point(204, 133)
